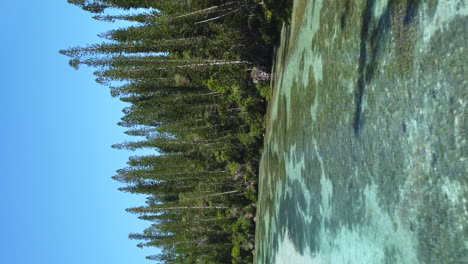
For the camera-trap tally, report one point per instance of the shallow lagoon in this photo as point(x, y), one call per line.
point(365, 151)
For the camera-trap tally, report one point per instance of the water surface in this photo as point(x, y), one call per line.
point(365, 151)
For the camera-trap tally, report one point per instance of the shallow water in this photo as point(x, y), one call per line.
point(365, 156)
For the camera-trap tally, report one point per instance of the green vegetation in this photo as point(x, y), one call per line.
point(279, 9)
point(193, 73)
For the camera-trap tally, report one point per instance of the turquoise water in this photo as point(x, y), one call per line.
point(365, 156)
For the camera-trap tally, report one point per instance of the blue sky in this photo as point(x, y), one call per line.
point(58, 202)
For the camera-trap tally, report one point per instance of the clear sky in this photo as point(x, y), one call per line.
point(58, 203)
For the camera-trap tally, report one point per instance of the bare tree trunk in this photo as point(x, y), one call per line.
point(218, 17)
point(214, 63)
point(223, 193)
point(211, 195)
point(203, 10)
point(188, 208)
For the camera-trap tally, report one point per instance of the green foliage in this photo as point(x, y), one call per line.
point(264, 90)
point(242, 244)
point(235, 252)
point(279, 9)
point(184, 71)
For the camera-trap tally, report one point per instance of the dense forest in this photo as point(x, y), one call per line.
point(195, 75)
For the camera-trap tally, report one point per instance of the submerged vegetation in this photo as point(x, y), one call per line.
point(195, 76)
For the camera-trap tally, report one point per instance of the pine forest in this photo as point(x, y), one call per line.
point(195, 75)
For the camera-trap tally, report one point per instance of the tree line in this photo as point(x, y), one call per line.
point(188, 71)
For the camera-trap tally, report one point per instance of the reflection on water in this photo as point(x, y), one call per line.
point(365, 151)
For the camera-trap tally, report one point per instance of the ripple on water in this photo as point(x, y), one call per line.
point(393, 190)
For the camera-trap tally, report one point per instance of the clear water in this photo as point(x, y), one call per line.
point(365, 156)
